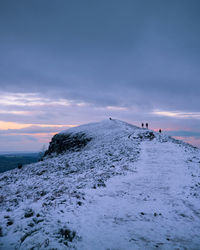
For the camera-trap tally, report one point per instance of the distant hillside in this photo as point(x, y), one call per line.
point(11, 161)
point(106, 185)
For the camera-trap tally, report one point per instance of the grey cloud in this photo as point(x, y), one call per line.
point(142, 55)
point(17, 139)
point(105, 53)
point(19, 143)
point(33, 130)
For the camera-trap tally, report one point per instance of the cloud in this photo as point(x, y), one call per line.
point(178, 114)
point(34, 130)
point(18, 143)
point(31, 99)
point(106, 54)
point(15, 112)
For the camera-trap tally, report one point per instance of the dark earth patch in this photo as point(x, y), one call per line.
point(67, 142)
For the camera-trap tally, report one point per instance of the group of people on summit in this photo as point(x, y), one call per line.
point(147, 125)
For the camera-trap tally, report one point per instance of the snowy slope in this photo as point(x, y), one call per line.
point(126, 189)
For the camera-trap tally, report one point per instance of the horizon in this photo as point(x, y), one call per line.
point(45, 145)
point(64, 64)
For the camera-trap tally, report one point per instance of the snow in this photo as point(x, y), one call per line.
point(124, 190)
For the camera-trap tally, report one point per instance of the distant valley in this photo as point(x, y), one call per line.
point(10, 161)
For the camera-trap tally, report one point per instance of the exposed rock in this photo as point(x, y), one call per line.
point(28, 213)
point(142, 135)
point(67, 142)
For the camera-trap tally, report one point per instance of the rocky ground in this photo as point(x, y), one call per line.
point(122, 187)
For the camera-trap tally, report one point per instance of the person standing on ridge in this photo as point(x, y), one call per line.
point(147, 125)
point(159, 130)
point(142, 125)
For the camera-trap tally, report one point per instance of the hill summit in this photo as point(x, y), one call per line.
point(105, 185)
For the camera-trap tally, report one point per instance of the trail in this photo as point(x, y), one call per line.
point(152, 206)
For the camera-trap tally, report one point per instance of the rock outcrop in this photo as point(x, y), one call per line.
point(61, 143)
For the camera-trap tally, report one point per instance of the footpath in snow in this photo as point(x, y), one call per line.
point(148, 209)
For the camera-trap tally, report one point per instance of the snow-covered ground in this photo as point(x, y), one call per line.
point(123, 190)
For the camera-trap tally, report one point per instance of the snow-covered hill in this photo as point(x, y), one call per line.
point(112, 186)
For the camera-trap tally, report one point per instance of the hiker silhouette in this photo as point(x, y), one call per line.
point(147, 125)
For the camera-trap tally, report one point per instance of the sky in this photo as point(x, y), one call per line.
point(65, 63)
